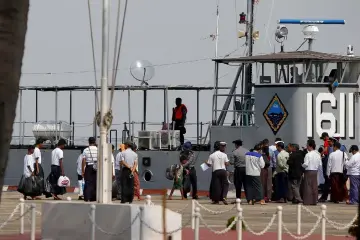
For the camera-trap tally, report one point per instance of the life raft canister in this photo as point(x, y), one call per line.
point(178, 111)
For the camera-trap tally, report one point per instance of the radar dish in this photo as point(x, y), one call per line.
point(142, 71)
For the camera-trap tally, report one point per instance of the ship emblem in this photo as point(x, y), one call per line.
point(275, 114)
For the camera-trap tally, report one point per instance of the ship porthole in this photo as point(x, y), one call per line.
point(147, 175)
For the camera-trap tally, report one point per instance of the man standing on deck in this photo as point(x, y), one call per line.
point(189, 169)
point(239, 167)
point(179, 118)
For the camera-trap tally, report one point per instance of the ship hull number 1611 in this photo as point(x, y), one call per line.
point(343, 107)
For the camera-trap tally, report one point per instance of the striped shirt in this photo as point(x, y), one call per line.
point(91, 155)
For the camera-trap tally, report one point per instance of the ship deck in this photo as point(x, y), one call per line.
point(256, 216)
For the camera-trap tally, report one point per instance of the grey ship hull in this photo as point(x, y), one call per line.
point(303, 105)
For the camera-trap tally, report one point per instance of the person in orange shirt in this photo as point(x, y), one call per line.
point(179, 118)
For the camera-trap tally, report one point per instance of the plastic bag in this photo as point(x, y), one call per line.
point(187, 183)
point(31, 186)
point(63, 181)
point(21, 185)
point(114, 189)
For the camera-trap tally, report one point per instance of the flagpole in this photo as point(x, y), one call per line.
point(103, 194)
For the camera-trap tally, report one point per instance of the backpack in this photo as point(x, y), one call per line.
point(171, 171)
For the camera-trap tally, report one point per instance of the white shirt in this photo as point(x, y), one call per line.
point(218, 160)
point(56, 155)
point(79, 164)
point(37, 154)
point(90, 154)
point(312, 161)
point(113, 164)
point(336, 162)
point(273, 148)
point(117, 161)
point(254, 162)
point(28, 161)
point(353, 165)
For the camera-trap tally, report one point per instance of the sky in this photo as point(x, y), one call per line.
point(161, 32)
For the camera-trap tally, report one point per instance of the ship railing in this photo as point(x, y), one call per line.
point(23, 132)
point(243, 110)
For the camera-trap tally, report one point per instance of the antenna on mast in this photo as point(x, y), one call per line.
point(142, 71)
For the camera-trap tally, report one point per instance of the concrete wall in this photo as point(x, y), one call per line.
point(120, 220)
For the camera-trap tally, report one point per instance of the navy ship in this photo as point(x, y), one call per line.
point(294, 95)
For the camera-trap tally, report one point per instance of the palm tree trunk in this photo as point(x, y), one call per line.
point(13, 26)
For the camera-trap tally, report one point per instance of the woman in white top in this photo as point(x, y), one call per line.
point(353, 171)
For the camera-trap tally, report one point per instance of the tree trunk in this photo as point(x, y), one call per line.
point(13, 26)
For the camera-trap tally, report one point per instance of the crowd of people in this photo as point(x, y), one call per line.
point(284, 172)
point(126, 183)
point(279, 172)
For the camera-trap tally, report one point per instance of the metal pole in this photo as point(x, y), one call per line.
point(167, 118)
point(22, 206)
point(298, 219)
point(193, 204)
point(33, 221)
point(129, 110)
point(216, 69)
point(36, 105)
point(323, 222)
point(95, 112)
point(310, 43)
point(216, 82)
point(103, 174)
point(141, 232)
point(56, 115)
point(239, 219)
point(279, 212)
point(197, 223)
point(197, 116)
point(249, 43)
point(70, 118)
point(20, 117)
point(144, 117)
point(93, 219)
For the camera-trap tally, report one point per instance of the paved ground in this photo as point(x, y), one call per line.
point(256, 216)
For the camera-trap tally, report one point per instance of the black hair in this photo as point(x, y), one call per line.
point(257, 147)
point(30, 147)
point(112, 147)
point(265, 141)
point(337, 145)
point(311, 143)
point(280, 145)
point(277, 139)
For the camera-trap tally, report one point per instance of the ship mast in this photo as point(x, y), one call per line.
point(249, 43)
